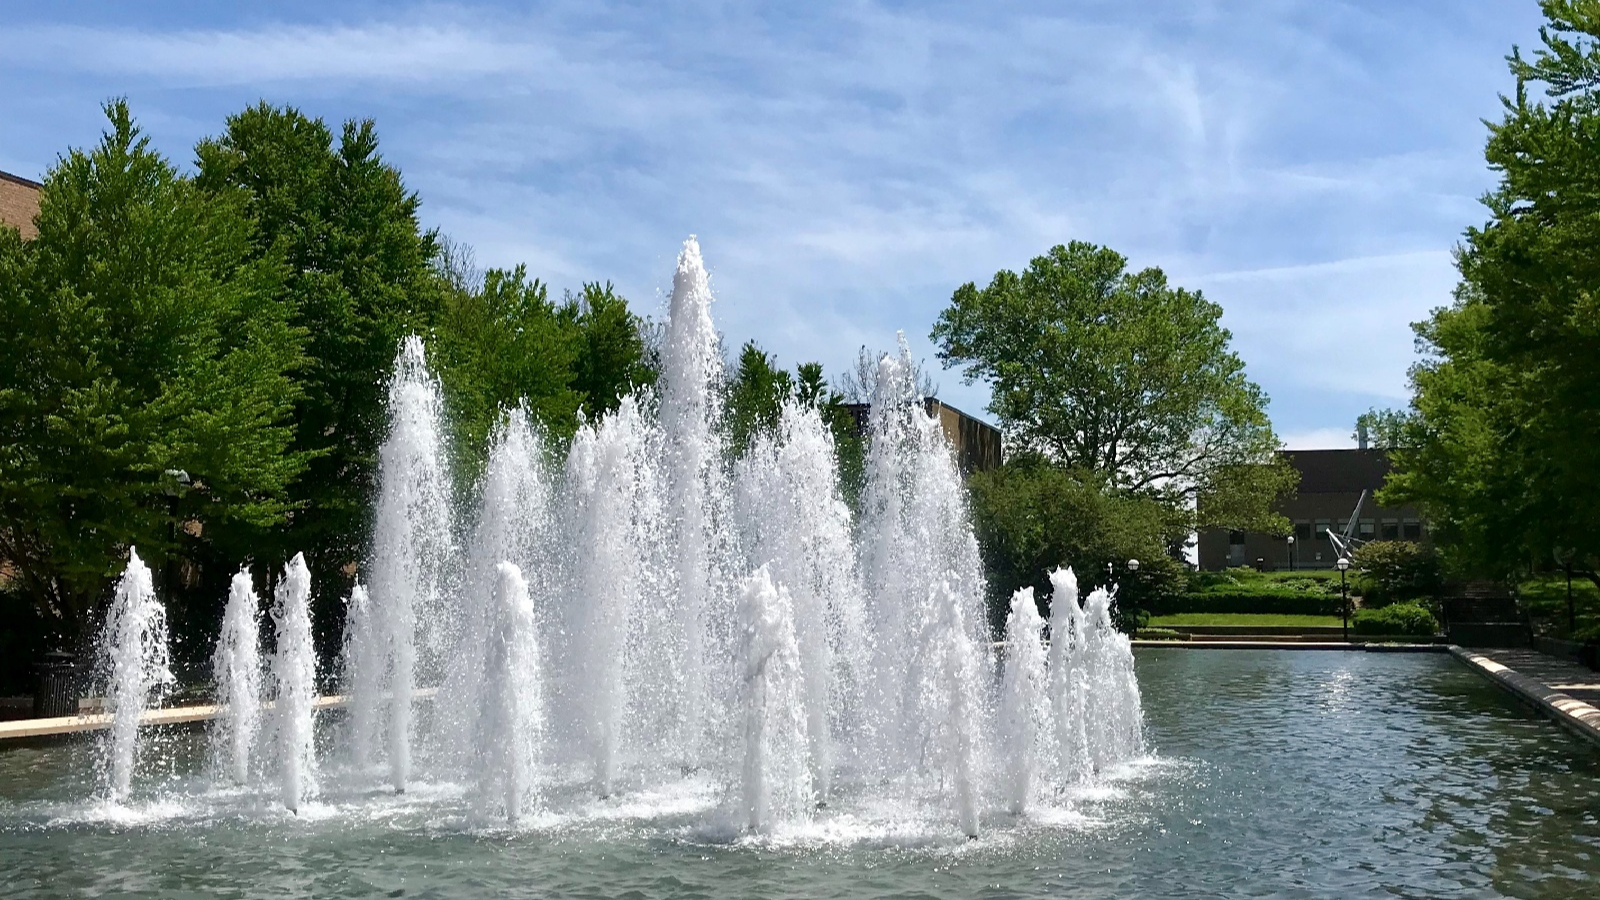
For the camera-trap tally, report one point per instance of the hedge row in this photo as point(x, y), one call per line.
point(1291, 603)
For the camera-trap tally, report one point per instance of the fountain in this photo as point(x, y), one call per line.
point(776, 783)
point(135, 667)
point(412, 554)
point(509, 718)
point(1024, 699)
point(236, 670)
point(294, 667)
point(651, 624)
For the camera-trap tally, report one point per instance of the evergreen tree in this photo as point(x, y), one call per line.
point(146, 336)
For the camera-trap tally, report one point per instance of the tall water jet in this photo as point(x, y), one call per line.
point(135, 662)
point(1113, 710)
point(236, 671)
point(411, 556)
point(611, 477)
point(510, 725)
point(799, 527)
point(919, 558)
point(294, 667)
point(513, 525)
point(951, 694)
point(776, 782)
point(1069, 685)
point(691, 409)
point(1024, 700)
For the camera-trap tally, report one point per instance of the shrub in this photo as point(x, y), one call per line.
point(1160, 634)
point(1393, 571)
point(1398, 618)
point(1290, 603)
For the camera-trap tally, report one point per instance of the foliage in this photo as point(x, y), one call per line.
point(145, 334)
point(1032, 517)
point(1390, 571)
point(757, 390)
point(1397, 618)
point(1505, 433)
point(1246, 621)
point(499, 345)
point(1544, 599)
point(855, 385)
point(360, 271)
point(1124, 379)
point(1386, 429)
point(1159, 634)
point(611, 358)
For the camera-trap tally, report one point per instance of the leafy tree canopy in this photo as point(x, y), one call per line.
point(146, 334)
point(1122, 378)
point(1505, 427)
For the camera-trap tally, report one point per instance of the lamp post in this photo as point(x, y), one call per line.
point(1343, 565)
point(1291, 553)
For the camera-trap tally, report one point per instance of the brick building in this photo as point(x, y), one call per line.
point(978, 444)
point(19, 203)
point(1331, 481)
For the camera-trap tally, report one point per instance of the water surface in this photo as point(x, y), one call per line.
point(1274, 774)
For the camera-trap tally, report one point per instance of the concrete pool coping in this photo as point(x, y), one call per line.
point(33, 729)
point(1577, 717)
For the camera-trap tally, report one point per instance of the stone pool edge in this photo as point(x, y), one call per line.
point(1577, 717)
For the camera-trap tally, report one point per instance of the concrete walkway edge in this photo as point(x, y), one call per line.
point(1574, 715)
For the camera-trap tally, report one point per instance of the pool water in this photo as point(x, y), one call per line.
point(1272, 774)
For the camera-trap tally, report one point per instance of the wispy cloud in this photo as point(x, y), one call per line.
point(848, 165)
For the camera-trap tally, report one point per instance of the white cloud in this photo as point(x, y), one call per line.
point(1318, 439)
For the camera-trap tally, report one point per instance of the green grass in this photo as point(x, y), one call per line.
point(1545, 600)
point(1244, 619)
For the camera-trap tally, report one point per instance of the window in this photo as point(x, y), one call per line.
point(1413, 529)
point(1235, 538)
point(1302, 531)
point(1391, 529)
point(1366, 529)
point(1322, 528)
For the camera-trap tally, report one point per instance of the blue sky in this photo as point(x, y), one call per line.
point(1309, 165)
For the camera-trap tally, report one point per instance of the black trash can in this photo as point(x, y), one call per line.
point(55, 691)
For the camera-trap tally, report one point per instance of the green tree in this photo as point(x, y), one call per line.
point(612, 359)
point(1385, 429)
point(1504, 435)
point(360, 272)
point(502, 344)
point(849, 447)
point(1032, 517)
point(756, 393)
point(1123, 378)
point(145, 335)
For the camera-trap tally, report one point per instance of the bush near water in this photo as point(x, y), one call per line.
point(1397, 618)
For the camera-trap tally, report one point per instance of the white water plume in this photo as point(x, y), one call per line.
point(135, 663)
point(510, 724)
point(412, 556)
point(776, 782)
point(294, 667)
point(236, 671)
point(1024, 701)
point(799, 527)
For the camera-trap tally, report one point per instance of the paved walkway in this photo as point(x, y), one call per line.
point(1562, 690)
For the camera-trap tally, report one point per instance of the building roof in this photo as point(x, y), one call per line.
point(19, 203)
point(1339, 471)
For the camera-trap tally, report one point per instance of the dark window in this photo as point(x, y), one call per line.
point(1391, 529)
point(1413, 530)
point(1235, 538)
point(1322, 528)
point(1302, 531)
point(1365, 529)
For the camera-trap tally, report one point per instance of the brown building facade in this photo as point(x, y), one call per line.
point(1331, 481)
point(978, 444)
point(19, 203)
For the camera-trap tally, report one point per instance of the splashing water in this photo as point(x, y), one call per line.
point(412, 554)
point(236, 669)
point(776, 784)
point(294, 667)
point(677, 631)
point(510, 715)
point(136, 665)
point(1024, 701)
